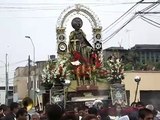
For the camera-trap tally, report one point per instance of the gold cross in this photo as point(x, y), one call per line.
point(74, 41)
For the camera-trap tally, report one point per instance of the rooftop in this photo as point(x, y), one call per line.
point(147, 46)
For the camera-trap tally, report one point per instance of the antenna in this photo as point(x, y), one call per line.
point(120, 43)
point(128, 36)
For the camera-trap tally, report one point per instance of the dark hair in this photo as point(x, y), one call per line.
point(5, 108)
point(92, 110)
point(133, 103)
point(54, 112)
point(144, 112)
point(1, 108)
point(13, 105)
point(21, 112)
point(89, 117)
point(139, 104)
point(69, 116)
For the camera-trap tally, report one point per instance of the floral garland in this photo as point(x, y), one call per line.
point(116, 70)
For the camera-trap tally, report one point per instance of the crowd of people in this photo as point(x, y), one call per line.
point(137, 111)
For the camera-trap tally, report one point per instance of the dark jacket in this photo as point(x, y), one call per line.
point(10, 116)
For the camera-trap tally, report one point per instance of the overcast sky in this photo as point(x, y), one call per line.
point(37, 19)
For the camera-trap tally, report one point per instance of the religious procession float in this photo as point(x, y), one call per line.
point(78, 75)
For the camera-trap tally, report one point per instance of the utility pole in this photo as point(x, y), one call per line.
point(29, 78)
point(6, 71)
point(34, 68)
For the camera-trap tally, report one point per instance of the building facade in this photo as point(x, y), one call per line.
point(25, 79)
point(149, 87)
point(3, 94)
point(147, 53)
point(116, 51)
point(20, 90)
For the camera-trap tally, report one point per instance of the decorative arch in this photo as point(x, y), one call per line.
point(78, 9)
point(61, 26)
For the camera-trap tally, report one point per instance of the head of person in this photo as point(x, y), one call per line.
point(90, 117)
point(150, 107)
point(6, 109)
point(139, 105)
point(21, 114)
point(93, 111)
point(145, 114)
point(14, 107)
point(54, 112)
point(133, 104)
point(98, 104)
point(69, 116)
point(35, 116)
point(118, 109)
point(1, 110)
point(86, 110)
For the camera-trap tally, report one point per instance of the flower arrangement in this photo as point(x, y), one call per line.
point(47, 76)
point(116, 70)
point(54, 72)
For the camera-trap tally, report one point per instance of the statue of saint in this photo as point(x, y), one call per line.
point(78, 46)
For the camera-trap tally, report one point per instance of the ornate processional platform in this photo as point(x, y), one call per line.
point(79, 60)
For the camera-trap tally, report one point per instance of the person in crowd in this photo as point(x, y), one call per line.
point(118, 109)
point(98, 104)
point(54, 112)
point(14, 107)
point(102, 111)
point(145, 114)
point(69, 115)
point(6, 110)
point(133, 104)
point(134, 115)
point(125, 117)
point(94, 111)
point(155, 112)
point(90, 117)
point(104, 114)
point(85, 112)
point(35, 116)
point(82, 111)
point(116, 113)
point(21, 114)
point(1, 112)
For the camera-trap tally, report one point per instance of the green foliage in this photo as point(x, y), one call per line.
point(128, 67)
point(157, 66)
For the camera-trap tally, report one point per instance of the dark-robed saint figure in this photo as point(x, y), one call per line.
point(78, 46)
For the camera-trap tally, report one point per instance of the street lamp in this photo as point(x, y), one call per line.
point(137, 80)
point(33, 48)
point(34, 80)
point(37, 95)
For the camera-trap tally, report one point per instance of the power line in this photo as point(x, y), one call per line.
point(28, 8)
point(148, 12)
point(114, 33)
point(126, 13)
point(151, 7)
point(148, 8)
point(64, 4)
point(120, 18)
point(156, 24)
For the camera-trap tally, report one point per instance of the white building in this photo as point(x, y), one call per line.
point(3, 94)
